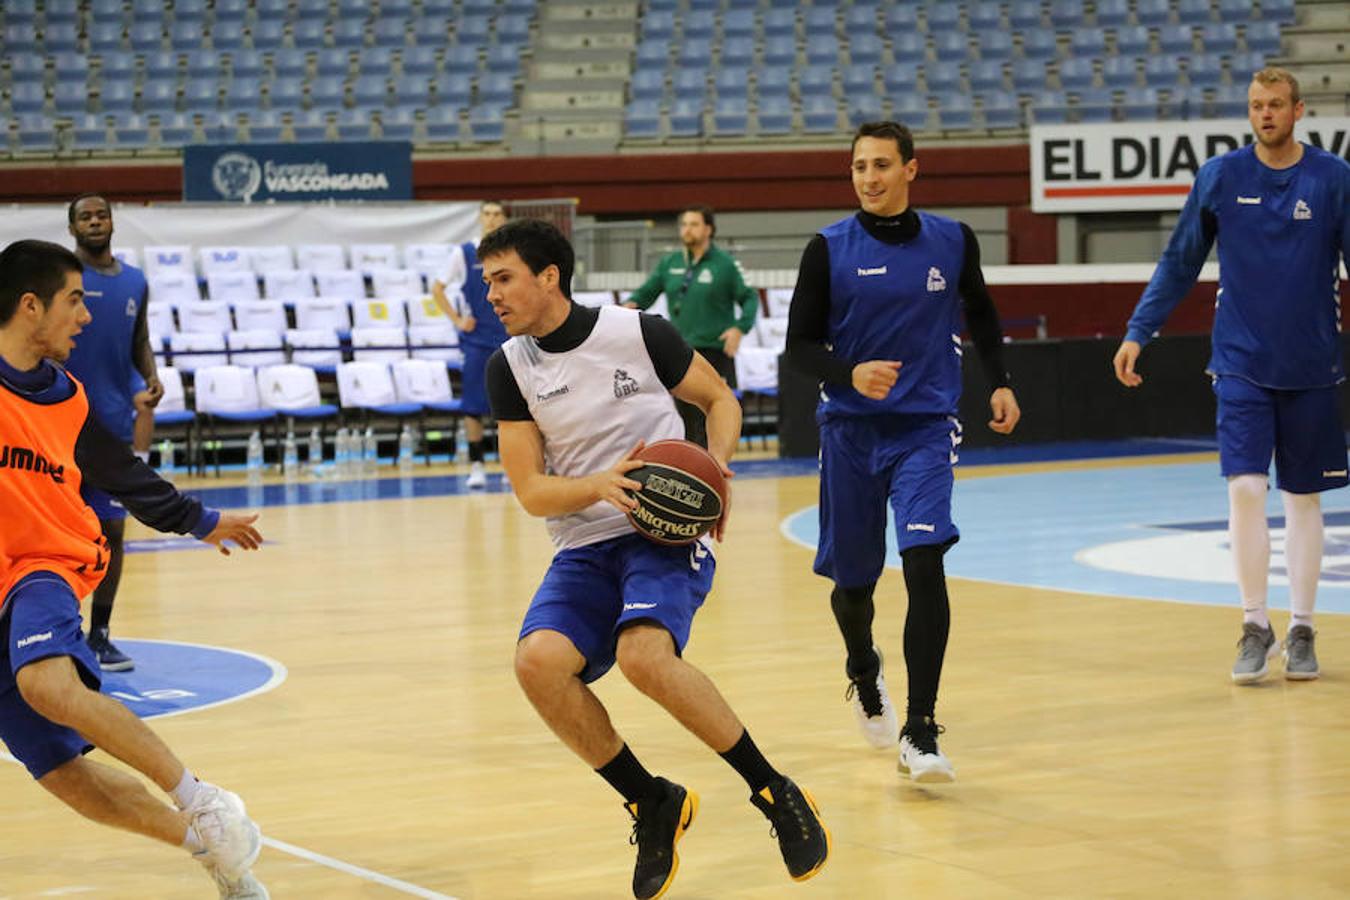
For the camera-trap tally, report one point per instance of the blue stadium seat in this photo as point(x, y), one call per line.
point(504, 58)
point(186, 36)
point(375, 61)
point(412, 91)
point(370, 91)
point(1065, 14)
point(818, 20)
point(995, 45)
point(732, 82)
point(648, 84)
point(225, 10)
point(864, 48)
point(778, 23)
point(463, 59)
point(901, 18)
point(1088, 42)
point(1140, 103)
point(943, 17)
point(419, 61)
point(1093, 106)
point(487, 123)
point(350, 33)
point(310, 125)
point(1111, 13)
point(774, 80)
point(1205, 70)
point(286, 93)
point(23, 34)
point(1263, 37)
point(159, 96)
point(247, 64)
point(1191, 103)
point(1281, 11)
point(396, 9)
point(736, 23)
point(1024, 14)
point(354, 10)
point(1153, 13)
point(1236, 11)
point(27, 68)
point(453, 88)
point(859, 19)
point(986, 15)
point(20, 12)
point(105, 37)
point(695, 27)
point(1049, 107)
point(494, 89)
point(986, 75)
point(1132, 40)
point(1241, 67)
point(779, 51)
point(1193, 12)
point(859, 79)
point(658, 25)
point(162, 64)
point(773, 115)
point(91, 132)
point(116, 95)
point(201, 95)
point(1076, 73)
point(311, 10)
point(899, 78)
point(908, 47)
point(738, 51)
point(390, 33)
point(146, 37)
point(333, 62)
point(863, 108)
point(37, 133)
point(1176, 38)
point(106, 11)
point(1230, 101)
point(205, 64)
point(62, 37)
point(71, 67)
point(1039, 43)
point(956, 112)
point(1001, 110)
point(264, 126)
point(731, 117)
point(176, 129)
point(1219, 37)
point(267, 34)
point(642, 118)
point(70, 98)
point(227, 35)
point(118, 66)
point(951, 46)
point(354, 124)
point(442, 123)
point(649, 53)
point(308, 34)
point(689, 82)
point(1162, 71)
point(695, 52)
point(820, 115)
point(326, 93)
point(277, 10)
point(686, 118)
point(398, 124)
point(289, 63)
point(815, 81)
point(1028, 75)
point(942, 77)
point(523, 7)
point(473, 29)
point(911, 109)
point(703, 6)
point(1120, 71)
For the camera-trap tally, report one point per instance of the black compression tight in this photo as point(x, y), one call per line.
point(853, 611)
point(100, 610)
point(927, 626)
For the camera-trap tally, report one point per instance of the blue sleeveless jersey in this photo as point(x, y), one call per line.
point(102, 358)
point(897, 301)
point(488, 330)
point(1281, 235)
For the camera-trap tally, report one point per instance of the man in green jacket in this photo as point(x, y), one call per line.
point(710, 303)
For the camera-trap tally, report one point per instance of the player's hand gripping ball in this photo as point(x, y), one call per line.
point(683, 492)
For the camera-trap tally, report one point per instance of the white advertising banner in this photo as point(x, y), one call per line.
point(1116, 166)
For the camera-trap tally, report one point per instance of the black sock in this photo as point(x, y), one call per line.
point(746, 759)
point(476, 451)
point(853, 611)
point(100, 609)
point(927, 625)
point(627, 776)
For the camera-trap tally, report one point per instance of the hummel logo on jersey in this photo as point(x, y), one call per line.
point(936, 282)
point(624, 384)
point(863, 273)
point(628, 606)
point(1301, 210)
point(549, 395)
point(25, 459)
point(33, 639)
point(1334, 473)
point(1248, 201)
point(920, 526)
point(131, 307)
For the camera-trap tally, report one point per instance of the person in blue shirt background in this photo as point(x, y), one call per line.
point(113, 358)
point(876, 317)
point(1278, 210)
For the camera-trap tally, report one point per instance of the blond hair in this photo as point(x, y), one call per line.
point(1275, 75)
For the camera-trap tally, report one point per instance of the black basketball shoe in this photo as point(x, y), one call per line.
point(658, 825)
point(110, 659)
point(802, 836)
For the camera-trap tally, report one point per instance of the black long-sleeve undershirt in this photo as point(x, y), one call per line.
point(809, 316)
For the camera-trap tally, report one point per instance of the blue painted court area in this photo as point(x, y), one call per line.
point(1157, 532)
point(173, 678)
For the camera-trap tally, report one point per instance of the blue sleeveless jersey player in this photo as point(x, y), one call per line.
point(478, 345)
point(103, 359)
point(890, 302)
point(1276, 356)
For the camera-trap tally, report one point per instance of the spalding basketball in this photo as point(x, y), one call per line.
point(683, 492)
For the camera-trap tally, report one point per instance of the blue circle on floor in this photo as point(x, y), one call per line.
point(172, 677)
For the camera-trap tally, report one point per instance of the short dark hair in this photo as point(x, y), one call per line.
point(37, 267)
point(703, 210)
point(540, 244)
point(70, 212)
point(887, 129)
point(486, 203)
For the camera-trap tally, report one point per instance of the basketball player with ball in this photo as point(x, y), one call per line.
point(590, 439)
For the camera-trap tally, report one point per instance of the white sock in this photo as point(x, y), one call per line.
point(192, 843)
point(186, 791)
point(142, 455)
point(1249, 536)
point(1303, 551)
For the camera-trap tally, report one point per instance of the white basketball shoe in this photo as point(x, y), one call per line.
point(477, 479)
point(920, 757)
point(872, 706)
point(231, 840)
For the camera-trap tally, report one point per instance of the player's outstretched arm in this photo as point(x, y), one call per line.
point(236, 528)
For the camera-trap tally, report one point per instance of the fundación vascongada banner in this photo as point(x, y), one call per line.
point(261, 173)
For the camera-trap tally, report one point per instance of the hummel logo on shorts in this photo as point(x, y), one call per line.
point(34, 639)
point(628, 606)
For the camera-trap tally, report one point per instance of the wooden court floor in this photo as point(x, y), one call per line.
point(1100, 748)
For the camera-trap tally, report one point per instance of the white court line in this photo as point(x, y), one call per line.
point(367, 874)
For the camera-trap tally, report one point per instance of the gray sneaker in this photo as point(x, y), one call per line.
point(1300, 659)
point(1254, 649)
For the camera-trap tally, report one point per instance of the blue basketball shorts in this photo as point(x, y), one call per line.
point(591, 593)
point(41, 619)
point(1301, 429)
point(865, 462)
point(473, 398)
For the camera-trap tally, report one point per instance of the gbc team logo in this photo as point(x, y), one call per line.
point(236, 176)
point(625, 385)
